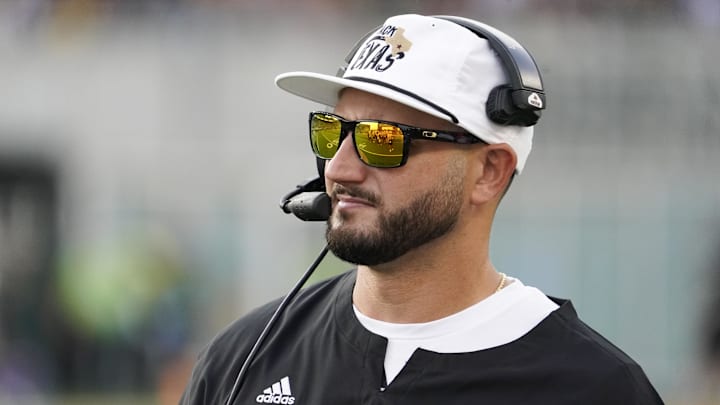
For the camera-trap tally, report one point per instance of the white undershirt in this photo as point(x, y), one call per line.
point(498, 319)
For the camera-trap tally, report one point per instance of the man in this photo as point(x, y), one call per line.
point(415, 168)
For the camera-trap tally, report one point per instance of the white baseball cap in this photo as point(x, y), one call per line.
point(427, 63)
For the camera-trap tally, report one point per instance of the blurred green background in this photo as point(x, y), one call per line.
point(144, 149)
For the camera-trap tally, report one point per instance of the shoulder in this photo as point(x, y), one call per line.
point(221, 359)
point(579, 338)
point(607, 372)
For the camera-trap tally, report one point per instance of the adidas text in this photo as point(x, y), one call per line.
point(275, 399)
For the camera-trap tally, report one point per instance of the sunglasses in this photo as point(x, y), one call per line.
point(378, 143)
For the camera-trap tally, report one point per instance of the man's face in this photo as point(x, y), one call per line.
point(380, 214)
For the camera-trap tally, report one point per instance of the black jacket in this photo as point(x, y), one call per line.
point(319, 354)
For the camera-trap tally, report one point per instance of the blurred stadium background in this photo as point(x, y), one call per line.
point(144, 149)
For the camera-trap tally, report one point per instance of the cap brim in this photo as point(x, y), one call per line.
point(325, 89)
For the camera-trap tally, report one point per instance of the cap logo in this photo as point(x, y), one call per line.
point(382, 50)
point(535, 100)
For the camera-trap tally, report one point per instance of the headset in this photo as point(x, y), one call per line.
point(519, 102)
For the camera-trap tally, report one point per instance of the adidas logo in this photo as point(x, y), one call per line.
point(278, 393)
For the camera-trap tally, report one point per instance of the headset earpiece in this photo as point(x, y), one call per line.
point(502, 108)
point(499, 107)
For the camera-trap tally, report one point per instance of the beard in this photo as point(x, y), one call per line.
point(426, 218)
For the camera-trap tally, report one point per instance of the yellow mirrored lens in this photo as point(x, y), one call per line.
point(325, 135)
point(379, 144)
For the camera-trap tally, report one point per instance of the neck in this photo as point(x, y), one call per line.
point(431, 282)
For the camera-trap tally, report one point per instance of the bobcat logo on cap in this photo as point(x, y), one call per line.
point(382, 50)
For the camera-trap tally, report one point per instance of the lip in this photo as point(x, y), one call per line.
point(349, 202)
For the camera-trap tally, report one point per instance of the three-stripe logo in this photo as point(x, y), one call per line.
point(278, 393)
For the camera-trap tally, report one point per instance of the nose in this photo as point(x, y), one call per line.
point(345, 166)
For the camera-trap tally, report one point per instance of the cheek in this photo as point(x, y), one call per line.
point(427, 169)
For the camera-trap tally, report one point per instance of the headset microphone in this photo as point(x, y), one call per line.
point(310, 206)
point(308, 201)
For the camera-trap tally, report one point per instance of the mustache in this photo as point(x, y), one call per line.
point(356, 192)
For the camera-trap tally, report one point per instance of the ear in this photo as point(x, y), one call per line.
point(496, 167)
